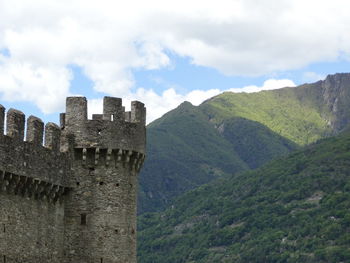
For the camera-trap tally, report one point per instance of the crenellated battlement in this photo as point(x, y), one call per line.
point(71, 190)
point(30, 157)
point(114, 128)
point(76, 111)
point(15, 126)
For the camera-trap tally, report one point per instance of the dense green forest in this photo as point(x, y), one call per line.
point(233, 132)
point(293, 209)
point(185, 151)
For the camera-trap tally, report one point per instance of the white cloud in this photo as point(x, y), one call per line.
point(46, 87)
point(109, 39)
point(157, 105)
point(269, 84)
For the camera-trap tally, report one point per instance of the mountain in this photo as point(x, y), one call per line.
point(232, 132)
point(184, 151)
point(293, 209)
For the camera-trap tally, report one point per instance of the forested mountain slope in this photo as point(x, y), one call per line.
point(232, 132)
point(294, 209)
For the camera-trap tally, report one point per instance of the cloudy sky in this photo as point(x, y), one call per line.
point(163, 52)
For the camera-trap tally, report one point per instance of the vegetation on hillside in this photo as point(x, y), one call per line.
point(288, 112)
point(231, 132)
point(253, 142)
point(185, 150)
point(294, 209)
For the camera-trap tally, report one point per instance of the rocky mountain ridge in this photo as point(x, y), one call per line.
point(232, 132)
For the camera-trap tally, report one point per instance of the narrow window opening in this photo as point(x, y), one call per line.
point(117, 184)
point(101, 260)
point(92, 168)
point(78, 183)
point(83, 219)
point(116, 231)
point(101, 183)
point(4, 228)
point(4, 259)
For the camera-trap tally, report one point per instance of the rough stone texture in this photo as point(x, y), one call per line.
point(35, 130)
point(74, 199)
point(31, 230)
point(2, 118)
point(106, 195)
point(336, 94)
point(52, 136)
point(105, 133)
point(15, 124)
point(113, 109)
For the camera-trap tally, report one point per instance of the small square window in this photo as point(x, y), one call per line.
point(83, 219)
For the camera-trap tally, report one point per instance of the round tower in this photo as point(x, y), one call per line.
point(108, 151)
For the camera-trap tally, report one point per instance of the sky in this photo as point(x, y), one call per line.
point(163, 52)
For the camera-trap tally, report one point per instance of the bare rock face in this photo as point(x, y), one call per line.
point(336, 96)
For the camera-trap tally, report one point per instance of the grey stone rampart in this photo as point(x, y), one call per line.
point(15, 121)
point(32, 230)
point(100, 211)
point(138, 112)
point(30, 158)
point(94, 157)
point(76, 110)
point(113, 129)
point(105, 195)
point(2, 119)
point(113, 109)
point(73, 199)
point(127, 116)
point(35, 130)
point(32, 191)
point(62, 120)
point(52, 136)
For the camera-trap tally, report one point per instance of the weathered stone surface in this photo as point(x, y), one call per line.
point(15, 124)
point(52, 136)
point(336, 94)
point(35, 130)
point(2, 119)
point(77, 203)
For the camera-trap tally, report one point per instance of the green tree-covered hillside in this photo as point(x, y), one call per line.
point(185, 150)
point(232, 132)
point(294, 209)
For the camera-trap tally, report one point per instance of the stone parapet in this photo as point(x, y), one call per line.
point(31, 158)
point(114, 129)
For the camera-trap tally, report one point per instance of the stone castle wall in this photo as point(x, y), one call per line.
point(109, 150)
point(32, 186)
point(72, 199)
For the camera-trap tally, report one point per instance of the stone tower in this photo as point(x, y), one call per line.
point(107, 153)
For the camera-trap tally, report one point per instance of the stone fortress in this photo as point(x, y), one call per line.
point(73, 199)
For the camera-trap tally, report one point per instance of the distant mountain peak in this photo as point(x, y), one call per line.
point(186, 103)
point(230, 132)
